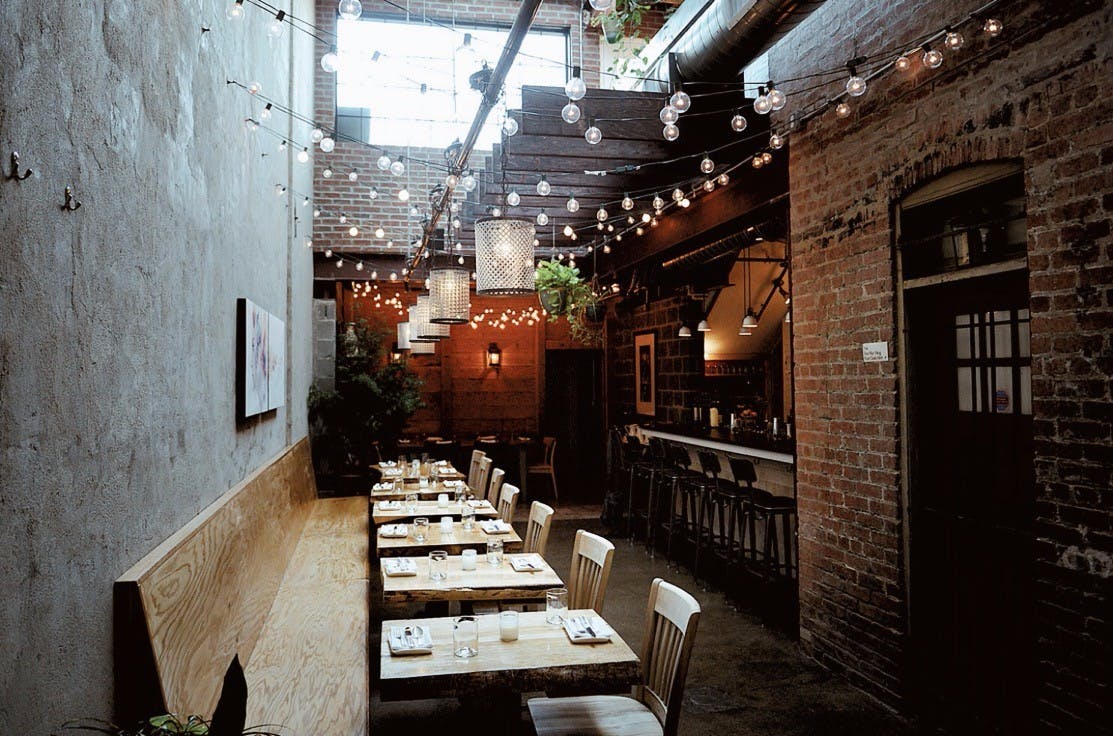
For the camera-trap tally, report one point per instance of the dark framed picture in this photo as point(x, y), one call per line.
point(645, 373)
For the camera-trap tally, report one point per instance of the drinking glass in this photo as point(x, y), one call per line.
point(467, 517)
point(468, 559)
point(465, 636)
point(556, 604)
point(411, 502)
point(438, 565)
point(461, 493)
point(446, 525)
point(494, 552)
point(508, 625)
point(421, 529)
point(442, 500)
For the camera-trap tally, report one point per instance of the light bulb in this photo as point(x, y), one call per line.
point(572, 204)
point(933, 58)
point(629, 219)
point(393, 275)
point(842, 110)
point(330, 62)
point(610, 228)
point(274, 28)
point(327, 144)
point(510, 126)
point(383, 163)
point(602, 5)
point(282, 147)
point(671, 132)
point(397, 167)
point(567, 229)
point(235, 11)
point(593, 135)
point(738, 123)
point(669, 114)
point(316, 212)
point(570, 113)
point(265, 113)
point(777, 99)
point(757, 163)
point(468, 182)
point(404, 194)
point(706, 165)
point(456, 224)
point(993, 27)
point(677, 194)
point(350, 9)
point(279, 190)
point(598, 225)
point(303, 156)
point(903, 63)
point(513, 199)
point(451, 180)
point(953, 40)
point(709, 185)
point(685, 203)
point(646, 217)
point(627, 203)
point(856, 86)
point(680, 101)
point(543, 187)
point(343, 219)
point(327, 173)
point(353, 231)
point(254, 88)
point(328, 252)
point(373, 193)
point(359, 266)
point(575, 88)
point(339, 262)
point(766, 157)
point(316, 135)
point(379, 233)
point(460, 260)
point(542, 218)
point(776, 141)
point(658, 203)
point(640, 230)
point(724, 179)
point(454, 207)
point(762, 105)
point(353, 175)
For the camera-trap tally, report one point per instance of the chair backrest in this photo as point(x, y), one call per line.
point(508, 502)
point(482, 477)
point(592, 556)
point(680, 456)
point(537, 530)
point(743, 471)
point(709, 463)
point(671, 620)
point(658, 449)
point(498, 475)
point(549, 444)
point(473, 469)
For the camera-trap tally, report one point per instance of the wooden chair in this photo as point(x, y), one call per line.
point(670, 630)
point(592, 556)
point(482, 477)
point(508, 502)
point(547, 467)
point(473, 469)
point(537, 530)
point(498, 476)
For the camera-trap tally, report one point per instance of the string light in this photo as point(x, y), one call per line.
point(680, 100)
point(677, 194)
point(451, 180)
point(709, 185)
point(510, 126)
point(756, 162)
point(669, 114)
point(343, 219)
point(350, 9)
point(326, 173)
point(513, 199)
point(570, 113)
point(316, 135)
point(542, 218)
point(776, 141)
point(842, 110)
point(627, 203)
point(274, 28)
point(468, 182)
point(543, 186)
point(658, 203)
point(353, 175)
point(601, 214)
point(953, 40)
point(671, 132)
point(404, 194)
point(572, 205)
point(855, 86)
point(762, 105)
point(372, 193)
point(575, 88)
point(235, 11)
point(724, 179)
point(327, 144)
point(706, 165)
point(568, 230)
point(766, 157)
point(593, 135)
point(397, 167)
point(265, 113)
point(777, 99)
point(330, 62)
point(738, 123)
point(933, 58)
point(303, 156)
point(993, 27)
point(353, 231)
point(380, 233)
point(383, 163)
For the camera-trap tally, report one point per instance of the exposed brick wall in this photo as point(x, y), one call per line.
point(1044, 95)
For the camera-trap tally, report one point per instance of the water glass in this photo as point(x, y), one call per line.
point(468, 559)
point(556, 605)
point(421, 529)
point(442, 500)
point(467, 517)
point(508, 625)
point(411, 502)
point(465, 636)
point(461, 493)
point(446, 525)
point(494, 552)
point(438, 565)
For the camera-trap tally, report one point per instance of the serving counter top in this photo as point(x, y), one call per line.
point(750, 445)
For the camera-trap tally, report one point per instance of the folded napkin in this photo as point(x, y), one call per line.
point(407, 640)
point(487, 438)
point(441, 463)
point(390, 505)
point(389, 464)
point(527, 563)
point(495, 526)
point(399, 567)
point(392, 471)
point(587, 630)
point(394, 531)
point(383, 487)
point(479, 503)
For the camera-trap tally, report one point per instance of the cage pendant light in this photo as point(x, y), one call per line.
point(504, 254)
point(404, 335)
point(428, 330)
point(415, 327)
point(449, 296)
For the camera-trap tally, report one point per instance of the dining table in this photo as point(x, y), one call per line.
point(522, 577)
point(543, 658)
point(390, 511)
point(390, 471)
point(455, 542)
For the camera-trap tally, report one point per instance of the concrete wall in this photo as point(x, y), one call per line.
point(117, 354)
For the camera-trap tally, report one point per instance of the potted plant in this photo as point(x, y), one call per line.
point(561, 285)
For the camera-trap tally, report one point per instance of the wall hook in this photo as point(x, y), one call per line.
point(71, 204)
point(15, 169)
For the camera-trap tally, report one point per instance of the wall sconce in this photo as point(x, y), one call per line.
point(494, 357)
point(395, 353)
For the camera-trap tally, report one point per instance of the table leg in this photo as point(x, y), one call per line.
point(522, 474)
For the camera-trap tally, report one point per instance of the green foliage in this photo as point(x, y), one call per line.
point(373, 400)
point(577, 299)
point(163, 725)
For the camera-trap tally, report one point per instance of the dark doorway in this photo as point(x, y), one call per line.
point(971, 503)
point(574, 415)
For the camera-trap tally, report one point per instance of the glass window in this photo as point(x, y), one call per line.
point(1005, 374)
point(409, 80)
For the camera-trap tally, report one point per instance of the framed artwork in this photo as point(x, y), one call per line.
point(645, 373)
point(260, 360)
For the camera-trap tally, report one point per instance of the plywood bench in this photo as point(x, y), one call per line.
point(269, 572)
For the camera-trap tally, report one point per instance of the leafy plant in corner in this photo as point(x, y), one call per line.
point(372, 400)
point(563, 292)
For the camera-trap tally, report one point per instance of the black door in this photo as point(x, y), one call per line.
point(971, 504)
point(574, 415)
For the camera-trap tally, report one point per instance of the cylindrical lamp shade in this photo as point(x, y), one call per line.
point(404, 336)
point(449, 296)
point(426, 330)
point(415, 327)
point(424, 348)
point(504, 253)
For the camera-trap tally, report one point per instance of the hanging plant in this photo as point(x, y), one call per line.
point(563, 292)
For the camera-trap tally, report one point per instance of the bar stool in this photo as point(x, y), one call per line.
point(774, 509)
point(642, 473)
point(717, 512)
point(618, 478)
point(744, 478)
point(674, 512)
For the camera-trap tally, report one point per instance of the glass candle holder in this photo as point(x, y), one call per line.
point(467, 517)
point(438, 565)
point(465, 636)
point(508, 625)
point(468, 559)
point(494, 552)
point(421, 529)
point(556, 605)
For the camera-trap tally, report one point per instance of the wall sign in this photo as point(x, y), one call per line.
point(875, 352)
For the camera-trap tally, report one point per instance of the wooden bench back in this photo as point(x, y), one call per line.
point(203, 595)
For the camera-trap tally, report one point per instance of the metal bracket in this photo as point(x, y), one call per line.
point(15, 169)
point(71, 204)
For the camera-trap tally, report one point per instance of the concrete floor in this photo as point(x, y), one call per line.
point(743, 679)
